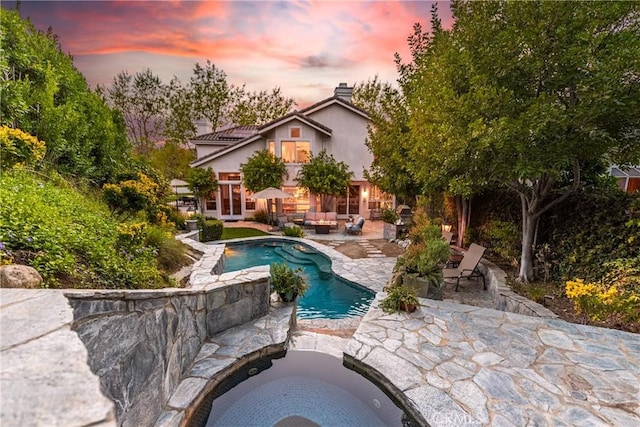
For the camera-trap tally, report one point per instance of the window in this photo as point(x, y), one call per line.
point(298, 202)
point(271, 146)
point(229, 176)
point(379, 199)
point(249, 204)
point(211, 204)
point(294, 132)
point(296, 151)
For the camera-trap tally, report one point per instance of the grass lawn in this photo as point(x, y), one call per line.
point(240, 232)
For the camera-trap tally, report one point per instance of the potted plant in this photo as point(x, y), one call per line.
point(287, 282)
point(421, 267)
point(399, 298)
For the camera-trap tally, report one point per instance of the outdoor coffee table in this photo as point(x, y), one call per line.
point(323, 227)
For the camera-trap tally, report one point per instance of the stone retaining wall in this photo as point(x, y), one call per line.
point(505, 299)
point(141, 343)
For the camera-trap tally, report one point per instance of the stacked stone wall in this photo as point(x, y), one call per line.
point(142, 343)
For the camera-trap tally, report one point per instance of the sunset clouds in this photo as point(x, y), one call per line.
point(305, 47)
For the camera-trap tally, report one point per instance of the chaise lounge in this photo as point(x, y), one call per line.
point(354, 227)
point(468, 267)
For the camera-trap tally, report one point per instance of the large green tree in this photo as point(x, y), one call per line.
point(531, 92)
point(142, 99)
point(259, 107)
point(325, 176)
point(389, 116)
point(44, 95)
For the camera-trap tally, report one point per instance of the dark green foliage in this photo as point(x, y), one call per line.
point(202, 182)
point(390, 216)
point(398, 297)
point(293, 232)
point(263, 170)
point(44, 95)
point(502, 239)
point(324, 175)
point(171, 252)
point(591, 230)
point(71, 239)
point(287, 282)
point(211, 230)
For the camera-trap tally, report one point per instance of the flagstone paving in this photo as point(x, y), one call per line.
point(450, 364)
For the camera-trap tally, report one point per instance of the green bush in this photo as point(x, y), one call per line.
point(72, 240)
point(260, 216)
point(390, 216)
point(599, 232)
point(293, 232)
point(503, 240)
point(211, 230)
point(287, 282)
point(170, 252)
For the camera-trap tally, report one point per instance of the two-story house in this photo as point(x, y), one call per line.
point(334, 125)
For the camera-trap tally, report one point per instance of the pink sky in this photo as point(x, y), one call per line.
point(304, 47)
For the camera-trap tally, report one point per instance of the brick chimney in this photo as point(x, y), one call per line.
point(343, 92)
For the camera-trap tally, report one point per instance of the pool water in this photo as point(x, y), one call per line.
point(328, 296)
point(305, 389)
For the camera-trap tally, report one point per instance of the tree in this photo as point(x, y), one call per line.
point(44, 95)
point(259, 108)
point(202, 182)
point(389, 115)
point(263, 170)
point(210, 94)
point(142, 100)
point(547, 87)
point(180, 125)
point(325, 176)
point(172, 160)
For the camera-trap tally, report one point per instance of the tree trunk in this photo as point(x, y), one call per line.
point(463, 211)
point(529, 222)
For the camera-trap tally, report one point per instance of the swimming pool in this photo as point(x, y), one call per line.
point(328, 296)
point(303, 389)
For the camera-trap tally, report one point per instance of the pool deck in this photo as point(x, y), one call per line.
point(450, 364)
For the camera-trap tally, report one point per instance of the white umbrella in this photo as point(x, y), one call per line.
point(270, 193)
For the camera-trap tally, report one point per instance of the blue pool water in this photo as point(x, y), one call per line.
point(328, 296)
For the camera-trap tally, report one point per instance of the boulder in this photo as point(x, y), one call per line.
point(19, 276)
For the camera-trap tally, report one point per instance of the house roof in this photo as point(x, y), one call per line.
point(631, 172)
point(295, 116)
point(223, 150)
point(235, 133)
point(334, 100)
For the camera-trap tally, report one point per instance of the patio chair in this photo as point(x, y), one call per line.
point(468, 267)
point(355, 227)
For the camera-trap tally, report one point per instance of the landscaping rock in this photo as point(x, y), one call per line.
point(19, 276)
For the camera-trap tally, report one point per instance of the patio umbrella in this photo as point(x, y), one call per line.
point(268, 194)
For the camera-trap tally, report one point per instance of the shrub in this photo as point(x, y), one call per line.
point(390, 216)
point(211, 230)
point(70, 239)
point(261, 216)
point(293, 232)
point(503, 240)
point(286, 282)
point(170, 252)
point(424, 232)
point(399, 298)
point(19, 149)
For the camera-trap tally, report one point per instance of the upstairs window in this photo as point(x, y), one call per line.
point(272, 147)
point(294, 132)
point(296, 151)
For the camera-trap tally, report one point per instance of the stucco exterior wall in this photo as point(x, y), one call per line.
point(347, 142)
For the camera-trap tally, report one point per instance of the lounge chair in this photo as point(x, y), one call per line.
point(354, 227)
point(468, 267)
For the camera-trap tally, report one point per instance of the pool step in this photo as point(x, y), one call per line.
point(281, 251)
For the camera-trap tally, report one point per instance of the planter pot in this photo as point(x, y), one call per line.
point(425, 288)
point(288, 296)
point(192, 224)
point(408, 307)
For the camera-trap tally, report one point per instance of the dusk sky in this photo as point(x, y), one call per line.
point(304, 47)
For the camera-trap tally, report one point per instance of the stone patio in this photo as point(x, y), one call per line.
point(450, 364)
